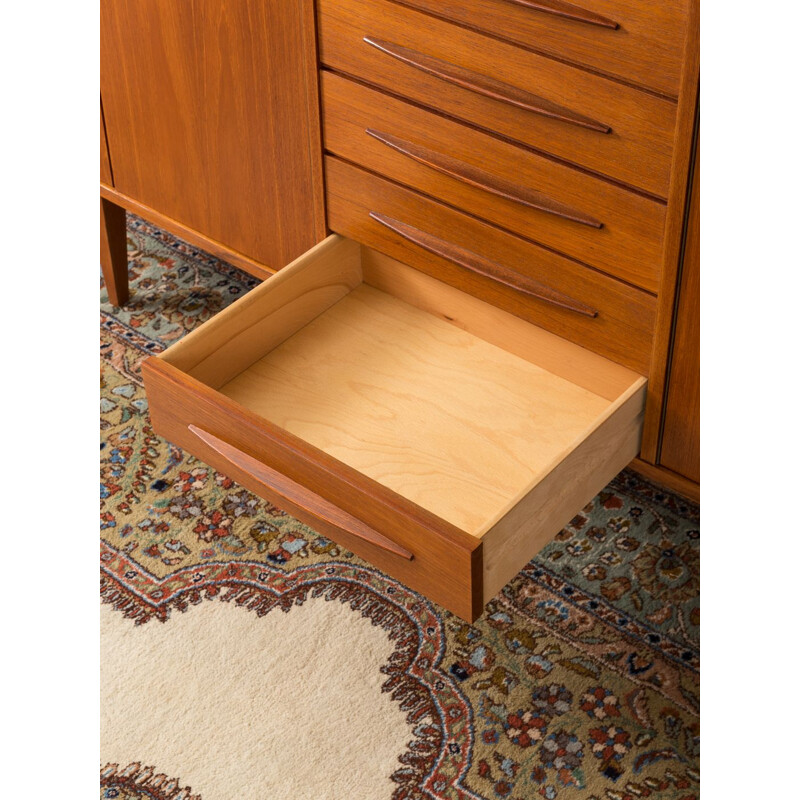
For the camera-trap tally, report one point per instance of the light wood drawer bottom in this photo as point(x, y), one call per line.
point(440, 438)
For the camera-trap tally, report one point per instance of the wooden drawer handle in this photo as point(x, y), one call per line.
point(482, 180)
point(482, 84)
point(477, 263)
point(295, 493)
point(561, 9)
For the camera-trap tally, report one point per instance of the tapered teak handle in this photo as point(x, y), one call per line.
point(558, 8)
point(474, 176)
point(483, 84)
point(295, 493)
point(483, 266)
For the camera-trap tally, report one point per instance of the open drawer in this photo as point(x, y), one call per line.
point(440, 438)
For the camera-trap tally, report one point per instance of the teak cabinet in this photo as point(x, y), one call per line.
point(504, 312)
point(210, 120)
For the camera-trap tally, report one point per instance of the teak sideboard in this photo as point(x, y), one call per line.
point(483, 222)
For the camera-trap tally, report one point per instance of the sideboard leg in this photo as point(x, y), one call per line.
point(114, 251)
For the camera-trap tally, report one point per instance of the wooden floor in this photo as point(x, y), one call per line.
point(433, 412)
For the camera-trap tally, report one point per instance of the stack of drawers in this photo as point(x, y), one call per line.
point(524, 154)
point(444, 382)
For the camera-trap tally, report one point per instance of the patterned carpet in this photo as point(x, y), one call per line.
point(580, 680)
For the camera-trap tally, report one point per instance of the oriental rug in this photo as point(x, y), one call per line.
point(244, 655)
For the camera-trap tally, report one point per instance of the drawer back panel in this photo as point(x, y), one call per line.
point(581, 304)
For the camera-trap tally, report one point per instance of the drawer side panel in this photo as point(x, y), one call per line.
point(533, 522)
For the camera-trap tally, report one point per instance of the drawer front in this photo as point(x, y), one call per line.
point(582, 118)
point(620, 328)
point(638, 41)
point(446, 564)
point(616, 230)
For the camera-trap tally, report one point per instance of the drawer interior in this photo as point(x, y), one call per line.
point(448, 401)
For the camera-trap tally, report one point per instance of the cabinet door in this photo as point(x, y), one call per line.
point(208, 116)
point(680, 445)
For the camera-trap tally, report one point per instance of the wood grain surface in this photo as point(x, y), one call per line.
point(192, 236)
point(114, 251)
point(622, 330)
point(207, 115)
point(241, 333)
point(447, 563)
point(483, 84)
point(675, 227)
point(645, 47)
point(105, 163)
point(628, 245)
point(444, 419)
point(483, 266)
point(680, 443)
point(291, 491)
point(553, 353)
point(636, 152)
point(532, 520)
point(479, 178)
point(406, 424)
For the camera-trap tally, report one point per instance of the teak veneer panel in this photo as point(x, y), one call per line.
point(636, 152)
point(680, 445)
point(646, 48)
point(447, 564)
point(190, 235)
point(105, 163)
point(209, 116)
point(687, 124)
point(628, 245)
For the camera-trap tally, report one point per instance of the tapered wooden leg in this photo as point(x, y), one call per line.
point(114, 251)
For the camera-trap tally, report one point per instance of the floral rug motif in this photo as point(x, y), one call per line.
point(580, 680)
point(135, 782)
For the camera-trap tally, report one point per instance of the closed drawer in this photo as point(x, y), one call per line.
point(582, 118)
point(613, 229)
point(438, 437)
point(639, 41)
point(587, 307)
